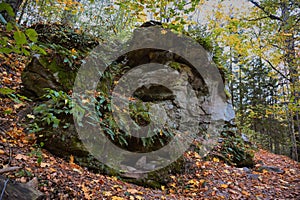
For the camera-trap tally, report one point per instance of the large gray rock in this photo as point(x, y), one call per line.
point(181, 102)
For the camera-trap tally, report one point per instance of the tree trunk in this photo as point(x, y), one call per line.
point(12, 190)
point(290, 57)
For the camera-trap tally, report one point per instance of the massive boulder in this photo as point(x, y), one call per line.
point(51, 71)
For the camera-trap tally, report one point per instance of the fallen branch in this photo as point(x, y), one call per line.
point(9, 169)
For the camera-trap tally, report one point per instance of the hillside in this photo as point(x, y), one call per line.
point(273, 177)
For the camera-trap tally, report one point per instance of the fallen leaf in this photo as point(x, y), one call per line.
point(20, 156)
point(23, 180)
point(85, 191)
point(245, 193)
point(132, 191)
point(139, 197)
point(71, 161)
point(17, 106)
point(44, 164)
point(77, 170)
point(107, 193)
point(163, 32)
point(30, 116)
point(116, 198)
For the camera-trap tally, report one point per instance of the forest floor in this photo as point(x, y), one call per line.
point(61, 179)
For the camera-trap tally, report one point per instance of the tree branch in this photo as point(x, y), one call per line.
point(271, 16)
point(256, 19)
point(274, 68)
point(9, 169)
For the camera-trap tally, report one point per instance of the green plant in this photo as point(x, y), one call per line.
point(235, 150)
point(59, 105)
point(17, 98)
point(139, 112)
point(14, 39)
point(23, 173)
point(47, 113)
point(37, 152)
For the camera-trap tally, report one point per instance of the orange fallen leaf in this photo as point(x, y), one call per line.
point(71, 161)
point(245, 193)
point(172, 191)
point(116, 198)
point(85, 191)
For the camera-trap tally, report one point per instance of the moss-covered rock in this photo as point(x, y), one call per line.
point(57, 70)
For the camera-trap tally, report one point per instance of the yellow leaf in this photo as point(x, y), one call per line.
point(193, 182)
point(216, 159)
point(139, 197)
point(173, 185)
point(30, 116)
point(107, 193)
point(2, 152)
point(224, 186)
point(199, 164)
point(85, 191)
point(197, 155)
point(73, 51)
point(162, 188)
point(116, 198)
point(164, 32)
point(52, 169)
point(161, 133)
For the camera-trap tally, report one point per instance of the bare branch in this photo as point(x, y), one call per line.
point(274, 68)
point(256, 19)
point(271, 16)
point(9, 169)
